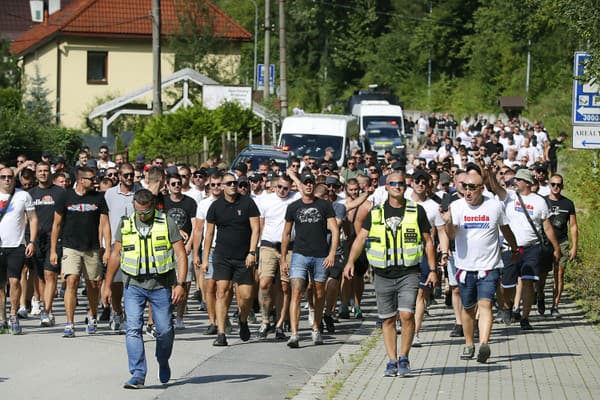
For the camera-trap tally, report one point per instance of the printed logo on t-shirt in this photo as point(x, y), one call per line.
point(3, 205)
point(476, 222)
point(309, 216)
point(46, 200)
point(519, 208)
point(178, 215)
point(82, 207)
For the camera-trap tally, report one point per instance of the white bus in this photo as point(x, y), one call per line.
point(311, 134)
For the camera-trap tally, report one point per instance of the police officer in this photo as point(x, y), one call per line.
point(149, 249)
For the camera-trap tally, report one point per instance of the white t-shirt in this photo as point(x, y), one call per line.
point(432, 209)
point(518, 140)
point(422, 125)
point(201, 214)
point(12, 227)
point(531, 152)
point(541, 139)
point(544, 190)
point(272, 208)
point(194, 194)
point(477, 236)
point(537, 209)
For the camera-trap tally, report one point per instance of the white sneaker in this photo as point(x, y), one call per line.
point(22, 313)
point(311, 316)
point(36, 307)
point(416, 341)
point(179, 323)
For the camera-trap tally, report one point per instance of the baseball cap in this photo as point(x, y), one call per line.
point(140, 158)
point(58, 160)
point(419, 173)
point(241, 167)
point(307, 177)
point(444, 178)
point(329, 148)
point(332, 180)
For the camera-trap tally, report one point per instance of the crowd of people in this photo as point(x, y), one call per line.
point(475, 215)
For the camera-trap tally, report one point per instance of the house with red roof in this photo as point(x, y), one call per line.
point(97, 49)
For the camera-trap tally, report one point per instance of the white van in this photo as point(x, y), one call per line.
point(378, 111)
point(311, 134)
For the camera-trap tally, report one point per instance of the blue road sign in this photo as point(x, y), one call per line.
point(261, 76)
point(586, 96)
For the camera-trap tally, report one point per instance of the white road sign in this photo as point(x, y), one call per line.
point(586, 137)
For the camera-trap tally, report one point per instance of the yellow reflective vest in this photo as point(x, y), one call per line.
point(151, 254)
point(403, 248)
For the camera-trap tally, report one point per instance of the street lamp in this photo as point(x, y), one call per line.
point(255, 41)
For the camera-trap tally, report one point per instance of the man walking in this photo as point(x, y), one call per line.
point(80, 216)
point(236, 218)
point(311, 218)
point(473, 222)
point(398, 235)
point(16, 209)
point(151, 254)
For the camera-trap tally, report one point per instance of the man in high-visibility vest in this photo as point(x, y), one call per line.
point(150, 251)
point(397, 237)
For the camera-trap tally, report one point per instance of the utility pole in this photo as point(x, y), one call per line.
point(156, 75)
point(267, 68)
point(254, 85)
point(429, 64)
point(282, 61)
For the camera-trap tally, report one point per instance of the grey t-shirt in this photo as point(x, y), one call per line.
point(161, 281)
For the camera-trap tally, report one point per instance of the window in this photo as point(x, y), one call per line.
point(97, 66)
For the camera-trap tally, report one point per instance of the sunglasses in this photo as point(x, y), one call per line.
point(332, 186)
point(420, 181)
point(295, 166)
point(128, 175)
point(6, 177)
point(174, 184)
point(243, 186)
point(88, 178)
point(284, 188)
point(230, 183)
point(184, 176)
point(470, 186)
point(198, 175)
point(111, 175)
point(397, 183)
point(554, 184)
point(144, 212)
point(215, 185)
point(27, 185)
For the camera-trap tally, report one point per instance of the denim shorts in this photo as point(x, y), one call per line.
point(526, 267)
point(474, 288)
point(302, 266)
point(211, 268)
point(424, 273)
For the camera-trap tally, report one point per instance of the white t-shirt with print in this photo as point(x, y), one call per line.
point(477, 236)
point(537, 209)
point(12, 226)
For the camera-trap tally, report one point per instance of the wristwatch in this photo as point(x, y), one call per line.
point(252, 252)
point(182, 284)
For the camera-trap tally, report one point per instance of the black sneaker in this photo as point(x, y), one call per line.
point(105, 316)
point(457, 331)
point(197, 296)
point(554, 313)
point(321, 327)
point(211, 330)
point(344, 313)
point(221, 340)
point(263, 331)
point(244, 331)
point(279, 334)
point(516, 315)
point(448, 299)
point(329, 323)
point(525, 325)
point(287, 326)
point(541, 305)
point(484, 353)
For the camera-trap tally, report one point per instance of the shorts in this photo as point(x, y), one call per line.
point(268, 264)
point(74, 262)
point(397, 294)
point(302, 267)
point(12, 260)
point(361, 264)
point(474, 288)
point(336, 271)
point(564, 254)
point(451, 270)
point(211, 269)
point(41, 259)
point(424, 273)
point(190, 269)
point(526, 268)
point(232, 269)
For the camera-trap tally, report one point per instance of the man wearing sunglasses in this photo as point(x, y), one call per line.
point(182, 209)
point(16, 211)
point(473, 222)
point(80, 217)
point(398, 236)
point(563, 220)
point(205, 277)
point(236, 218)
point(272, 208)
point(151, 254)
point(119, 200)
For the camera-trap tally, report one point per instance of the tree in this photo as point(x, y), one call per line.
point(36, 100)
point(10, 73)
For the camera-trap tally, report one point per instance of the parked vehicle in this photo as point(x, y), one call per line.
point(259, 153)
point(384, 136)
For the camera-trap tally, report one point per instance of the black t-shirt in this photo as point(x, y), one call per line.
point(390, 213)
point(560, 213)
point(492, 148)
point(45, 202)
point(553, 147)
point(232, 221)
point(81, 219)
point(182, 212)
point(310, 224)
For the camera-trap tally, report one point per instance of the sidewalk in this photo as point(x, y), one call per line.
point(557, 360)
